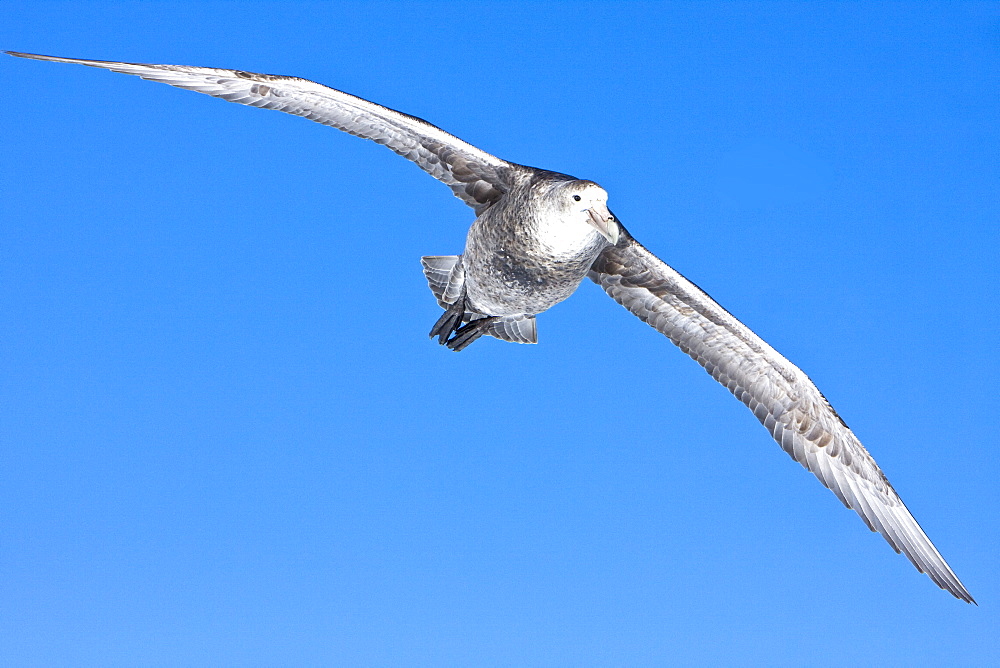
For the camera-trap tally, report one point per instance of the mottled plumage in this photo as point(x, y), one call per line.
point(536, 236)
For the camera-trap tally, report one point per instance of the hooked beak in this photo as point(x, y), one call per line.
point(602, 221)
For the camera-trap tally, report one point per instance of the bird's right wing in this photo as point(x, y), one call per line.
point(476, 177)
point(780, 395)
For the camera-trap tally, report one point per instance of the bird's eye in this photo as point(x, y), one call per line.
point(576, 198)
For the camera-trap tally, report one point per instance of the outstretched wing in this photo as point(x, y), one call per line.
point(476, 177)
point(780, 395)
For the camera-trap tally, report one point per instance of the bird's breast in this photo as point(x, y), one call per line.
point(524, 268)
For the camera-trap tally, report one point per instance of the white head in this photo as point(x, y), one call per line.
point(587, 202)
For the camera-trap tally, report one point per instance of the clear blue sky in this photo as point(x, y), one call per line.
point(225, 438)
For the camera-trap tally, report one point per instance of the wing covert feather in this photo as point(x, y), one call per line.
point(476, 177)
point(778, 393)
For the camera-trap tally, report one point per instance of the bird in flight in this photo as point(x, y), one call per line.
point(536, 236)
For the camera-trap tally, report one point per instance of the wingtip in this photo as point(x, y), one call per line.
point(958, 590)
point(52, 59)
point(32, 56)
point(964, 595)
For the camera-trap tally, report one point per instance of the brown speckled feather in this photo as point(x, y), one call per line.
point(778, 393)
point(476, 177)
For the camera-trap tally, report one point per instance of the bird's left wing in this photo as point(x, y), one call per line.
point(476, 177)
point(780, 395)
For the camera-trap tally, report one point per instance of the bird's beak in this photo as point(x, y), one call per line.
point(604, 222)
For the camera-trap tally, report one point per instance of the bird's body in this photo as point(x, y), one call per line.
point(536, 235)
point(522, 256)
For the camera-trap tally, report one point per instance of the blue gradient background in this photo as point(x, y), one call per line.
point(225, 438)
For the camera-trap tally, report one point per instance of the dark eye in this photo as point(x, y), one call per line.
point(576, 198)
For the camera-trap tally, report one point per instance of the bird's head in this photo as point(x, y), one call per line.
point(587, 202)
